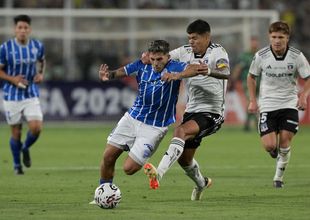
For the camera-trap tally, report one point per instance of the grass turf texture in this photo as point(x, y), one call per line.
point(65, 173)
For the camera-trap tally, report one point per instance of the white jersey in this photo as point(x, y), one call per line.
point(278, 85)
point(205, 94)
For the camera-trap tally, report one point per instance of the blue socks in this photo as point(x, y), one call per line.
point(102, 181)
point(30, 139)
point(16, 146)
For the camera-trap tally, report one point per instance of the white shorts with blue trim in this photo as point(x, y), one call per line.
point(140, 139)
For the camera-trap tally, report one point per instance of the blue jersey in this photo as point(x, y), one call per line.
point(156, 100)
point(21, 59)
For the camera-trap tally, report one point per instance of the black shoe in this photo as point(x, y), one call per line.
point(274, 153)
point(19, 170)
point(278, 184)
point(26, 158)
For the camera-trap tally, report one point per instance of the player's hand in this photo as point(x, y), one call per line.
point(203, 68)
point(168, 77)
point(38, 78)
point(253, 107)
point(302, 102)
point(104, 72)
point(20, 81)
point(145, 58)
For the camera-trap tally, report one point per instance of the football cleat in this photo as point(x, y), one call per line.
point(278, 184)
point(26, 158)
point(18, 170)
point(151, 173)
point(274, 153)
point(197, 191)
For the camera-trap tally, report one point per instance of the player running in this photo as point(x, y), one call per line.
point(145, 124)
point(19, 58)
point(278, 66)
point(204, 113)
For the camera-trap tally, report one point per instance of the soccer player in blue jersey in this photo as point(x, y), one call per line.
point(19, 59)
point(145, 124)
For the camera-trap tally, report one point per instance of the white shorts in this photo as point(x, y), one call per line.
point(30, 109)
point(140, 139)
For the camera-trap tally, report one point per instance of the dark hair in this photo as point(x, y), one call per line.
point(199, 26)
point(159, 46)
point(24, 18)
point(279, 26)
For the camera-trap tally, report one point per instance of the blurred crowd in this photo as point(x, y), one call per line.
point(93, 53)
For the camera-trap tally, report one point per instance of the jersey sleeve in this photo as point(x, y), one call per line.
point(181, 67)
point(255, 67)
point(303, 67)
point(133, 67)
point(175, 54)
point(2, 55)
point(220, 61)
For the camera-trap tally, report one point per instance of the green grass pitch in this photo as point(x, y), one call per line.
point(65, 173)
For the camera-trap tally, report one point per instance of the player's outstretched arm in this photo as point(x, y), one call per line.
point(190, 71)
point(105, 74)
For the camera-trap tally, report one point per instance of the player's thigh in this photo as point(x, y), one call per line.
point(187, 130)
point(289, 120)
point(13, 112)
point(268, 123)
point(124, 134)
point(269, 141)
point(146, 143)
point(285, 138)
point(110, 154)
point(32, 110)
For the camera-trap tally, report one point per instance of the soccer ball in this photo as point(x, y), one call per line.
point(107, 196)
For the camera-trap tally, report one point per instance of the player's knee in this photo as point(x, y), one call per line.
point(270, 146)
point(179, 132)
point(129, 170)
point(16, 134)
point(131, 167)
point(36, 131)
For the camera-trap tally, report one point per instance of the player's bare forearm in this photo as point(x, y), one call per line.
point(302, 100)
point(193, 70)
point(41, 68)
point(116, 74)
point(105, 74)
point(18, 80)
point(251, 84)
point(218, 75)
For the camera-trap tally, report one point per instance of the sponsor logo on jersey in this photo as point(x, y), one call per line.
point(279, 74)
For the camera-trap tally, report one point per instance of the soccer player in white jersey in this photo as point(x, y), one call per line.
point(204, 111)
point(278, 65)
point(145, 124)
point(19, 58)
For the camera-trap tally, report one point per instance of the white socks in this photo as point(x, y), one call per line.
point(172, 154)
point(282, 161)
point(194, 173)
